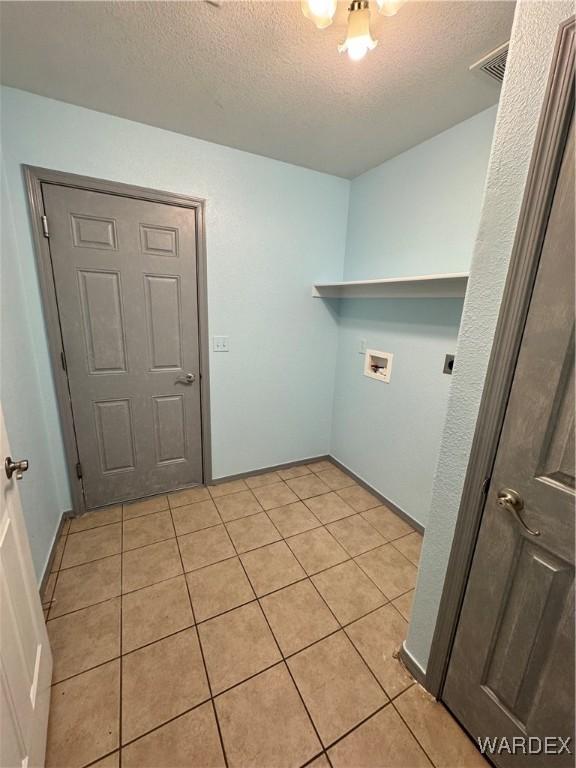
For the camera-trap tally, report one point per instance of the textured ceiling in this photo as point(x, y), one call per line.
point(258, 75)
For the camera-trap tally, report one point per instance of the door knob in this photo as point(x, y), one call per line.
point(189, 378)
point(511, 501)
point(11, 466)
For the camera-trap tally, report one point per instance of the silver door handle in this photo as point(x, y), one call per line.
point(17, 466)
point(511, 501)
point(189, 378)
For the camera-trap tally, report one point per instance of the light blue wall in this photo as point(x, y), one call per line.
point(418, 213)
point(27, 395)
point(272, 229)
point(532, 43)
point(388, 434)
point(415, 214)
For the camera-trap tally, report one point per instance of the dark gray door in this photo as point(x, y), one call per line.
point(512, 667)
point(125, 277)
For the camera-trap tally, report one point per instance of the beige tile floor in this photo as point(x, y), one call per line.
point(253, 623)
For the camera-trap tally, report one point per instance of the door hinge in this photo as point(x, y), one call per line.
point(78, 470)
point(45, 230)
point(63, 360)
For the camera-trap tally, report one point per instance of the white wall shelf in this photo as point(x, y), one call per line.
point(441, 286)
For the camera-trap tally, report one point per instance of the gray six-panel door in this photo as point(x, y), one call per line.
point(511, 671)
point(126, 286)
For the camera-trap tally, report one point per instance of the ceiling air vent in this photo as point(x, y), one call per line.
point(494, 63)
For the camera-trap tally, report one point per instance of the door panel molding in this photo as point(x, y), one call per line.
point(549, 144)
point(121, 456)
point(162, 242)
point(537, 591)
point(92, 316)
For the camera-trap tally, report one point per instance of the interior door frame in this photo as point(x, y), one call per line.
point(557, 113)
point(34, 177)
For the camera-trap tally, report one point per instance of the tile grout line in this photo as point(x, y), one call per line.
point(181, 631)
point(400, 551)
point(283, 661)
point(212, 498)
point(94, 560)
point(407, 724)
point(121, 662)
point(200, 704)
point(352, 510)
point(358, 725)
point(200, 647)
point(282, 658)
point(393, 603)
point(170, 509)
point(369, 509)
point(351, 558)
point(97, 527)
point(167, 494)
point(57, 572)
point(284, 539)
point(138, 589)
point(103, 757)
point(307, 508)
point(233, 520)
point(312, 760)
point(316, 590)
point(253, 549)
point(275, 528)
point(90, 605)
point(211, 698)
point(267, 668)
point(155, 728)
point(51, 618)
point(160, 725)
point(341, 627)
point(225, 523)
point(216, 499)
point(372, 580)
point(352, 643)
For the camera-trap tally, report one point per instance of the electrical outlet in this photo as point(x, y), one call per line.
point(221, 343)
point(362, 349)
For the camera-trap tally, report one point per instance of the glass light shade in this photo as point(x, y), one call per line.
point(390, 7)
point(359, 40)
point(321, 12)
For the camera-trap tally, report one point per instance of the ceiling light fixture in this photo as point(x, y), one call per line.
point(359, 39)
point(389, 7)
point(320, 12)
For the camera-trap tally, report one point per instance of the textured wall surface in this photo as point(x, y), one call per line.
point(389, 434)
point(272, 229)
point(416, 214)
point(27, 395)
point(532, 44)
